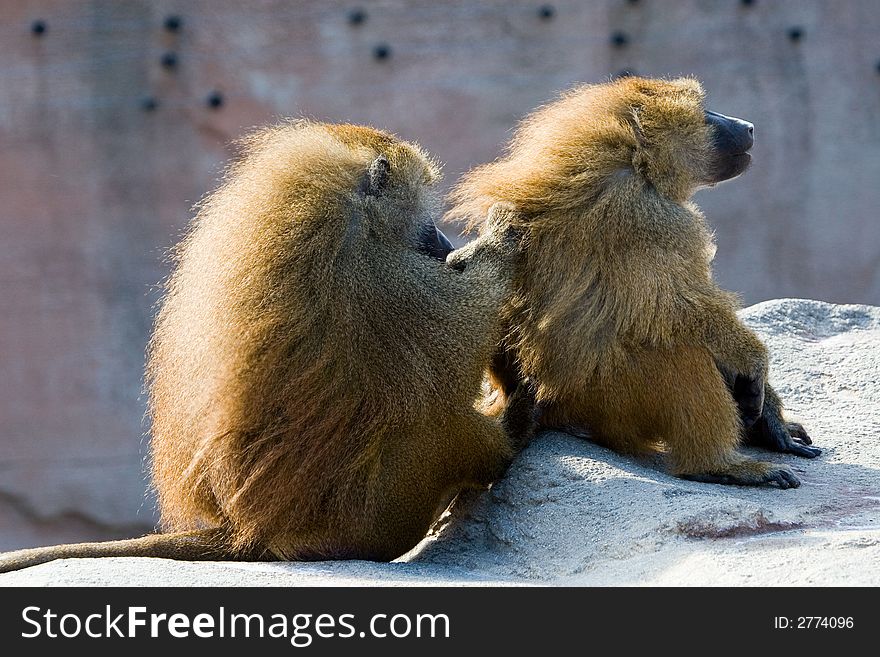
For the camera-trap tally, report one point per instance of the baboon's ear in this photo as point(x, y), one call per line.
point(635, 120)
point(377, 176)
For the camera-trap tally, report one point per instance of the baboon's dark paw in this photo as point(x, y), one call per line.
point(797, 431)
point(785, 437)
point(783, 478)
point(799, 449)
point(785, 442)
point(748, 393)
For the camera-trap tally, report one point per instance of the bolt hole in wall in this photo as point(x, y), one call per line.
point(117, 117)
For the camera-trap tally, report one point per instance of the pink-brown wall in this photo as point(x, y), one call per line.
point(94, 187)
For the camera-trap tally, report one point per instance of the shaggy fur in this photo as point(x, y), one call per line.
point(615, 313)
point(313, 376)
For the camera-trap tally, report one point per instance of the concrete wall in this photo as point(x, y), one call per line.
point(95, 187)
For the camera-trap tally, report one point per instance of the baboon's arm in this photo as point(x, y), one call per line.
point(734, 345)
point(740, 356)
point(742, 359)
point(498, 247)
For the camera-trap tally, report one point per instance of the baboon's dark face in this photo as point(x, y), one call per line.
point(730, 142)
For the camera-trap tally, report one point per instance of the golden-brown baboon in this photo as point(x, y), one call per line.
point(315, 363)
point(615, 314)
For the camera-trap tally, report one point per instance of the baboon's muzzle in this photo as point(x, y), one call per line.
point(436, 244)
point(731, 140)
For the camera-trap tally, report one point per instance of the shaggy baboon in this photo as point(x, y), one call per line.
point(615, 314)
point(315, 363)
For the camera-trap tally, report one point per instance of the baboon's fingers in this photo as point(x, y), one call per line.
point(784, 479)
point(781, 440)
point(806, 451)
point(459, 258)
point(785, 437)
point(499, 214)
point(797, 431)
point(458, 263)
point(748, 476)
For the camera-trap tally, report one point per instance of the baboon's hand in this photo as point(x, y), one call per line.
point(748, 393)
point(459, 259)
point(500, 217)
point(505, 233)
point(498, 245)
point(772, 432)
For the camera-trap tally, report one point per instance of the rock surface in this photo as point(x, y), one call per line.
point(572, 513)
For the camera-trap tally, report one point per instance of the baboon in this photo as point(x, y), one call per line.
point(615, 315)
point(315, 367)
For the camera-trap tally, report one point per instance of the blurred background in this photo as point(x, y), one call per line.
point(116, 116)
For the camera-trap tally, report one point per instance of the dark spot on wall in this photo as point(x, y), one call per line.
point(215, 100)
point(357, 16)
point(169, 60)
point(382, 51)
point(546, 12)
point(173, 23)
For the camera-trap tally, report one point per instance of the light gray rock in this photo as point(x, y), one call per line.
point(570, 512)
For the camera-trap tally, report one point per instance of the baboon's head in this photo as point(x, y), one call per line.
point(679, 145)
point(567, 153)
point(394, 187)
point(330, 181)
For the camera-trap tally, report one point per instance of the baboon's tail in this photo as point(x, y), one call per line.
point(200, 545)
